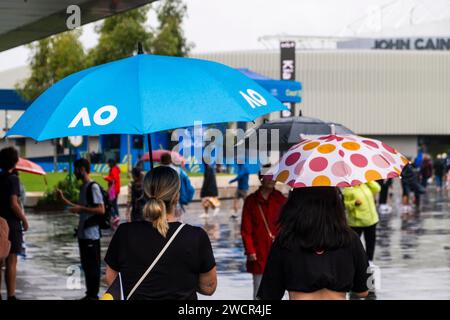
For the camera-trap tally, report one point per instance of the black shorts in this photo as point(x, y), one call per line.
point(15, 236)
point(241, 194)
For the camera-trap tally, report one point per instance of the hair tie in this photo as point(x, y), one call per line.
point(153, 198)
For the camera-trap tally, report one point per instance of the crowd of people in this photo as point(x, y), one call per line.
point(306, 243)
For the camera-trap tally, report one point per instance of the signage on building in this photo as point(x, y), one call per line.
point(287, 69)
point(413, 44)
point(419, 43)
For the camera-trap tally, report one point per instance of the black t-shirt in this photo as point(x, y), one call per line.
point(9, 186)
point(341, 270)
point(135, 245)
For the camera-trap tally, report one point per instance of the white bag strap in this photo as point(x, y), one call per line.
point(155, 261)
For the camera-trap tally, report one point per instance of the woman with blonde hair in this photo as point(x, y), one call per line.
point(185, 268)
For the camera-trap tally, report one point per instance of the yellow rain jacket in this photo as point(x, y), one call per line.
point(364, 215)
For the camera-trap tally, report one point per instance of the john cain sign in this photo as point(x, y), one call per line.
point(413, 44)
point(419, 43)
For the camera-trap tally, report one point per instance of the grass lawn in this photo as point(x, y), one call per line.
point(34, 182)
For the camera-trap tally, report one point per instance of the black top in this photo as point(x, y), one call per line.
point(135, 245)
point(209, 187)
point(9, 186)
point(342, 270)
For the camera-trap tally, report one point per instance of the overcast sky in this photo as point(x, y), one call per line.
point(222, 25)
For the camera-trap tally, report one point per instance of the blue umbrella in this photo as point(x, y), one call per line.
point(144, 94)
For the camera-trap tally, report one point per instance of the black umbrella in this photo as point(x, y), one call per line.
point(289, 132)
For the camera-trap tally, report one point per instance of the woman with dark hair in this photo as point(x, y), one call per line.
point(316, 256)
point(136, 199)
point(11, 210)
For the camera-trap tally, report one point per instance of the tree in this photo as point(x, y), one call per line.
point(169, 39)
point(52, 59)
point(119, 35)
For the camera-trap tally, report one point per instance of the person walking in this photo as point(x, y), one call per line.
point(136, 199)
point(11, 210)
point(209, 192)
point(383, 206)
point(316, 255)
point(426, 170)
point(185, 268)
point(242, 179)
point(362, 213)
point(439, 172)
point(259, 226)
point(113, 179)
point(410, 182)
point(187, 191)
point(89, 208)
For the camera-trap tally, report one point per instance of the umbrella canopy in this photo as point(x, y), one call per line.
point(144, 94)
point(30, 167)
point(335, 160)
point(283, 90)
point(157, 154)
point(289, 130)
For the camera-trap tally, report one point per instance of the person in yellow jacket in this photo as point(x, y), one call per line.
point(362, 212)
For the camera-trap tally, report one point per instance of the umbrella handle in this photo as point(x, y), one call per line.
point(333, 129)
point(150, 153)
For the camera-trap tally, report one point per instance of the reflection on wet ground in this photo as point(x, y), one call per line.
point(413, 253)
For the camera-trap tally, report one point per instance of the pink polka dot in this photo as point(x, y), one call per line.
point(299, 185)
point(318, 164)
point(292, 158)
point(370, 143)
point(380, 161)
point(299, 168)
point(388, 157)
point(356, 182)
point(359, 160)
point(291, 183)
point(392, 175)
point(389, 148)
point(341, 153)
point(343, 184)
point(341, 169)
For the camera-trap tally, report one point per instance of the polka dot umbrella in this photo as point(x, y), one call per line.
point(335, 160)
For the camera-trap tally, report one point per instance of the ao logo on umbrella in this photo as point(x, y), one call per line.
point(83, 116)
point(253, 98)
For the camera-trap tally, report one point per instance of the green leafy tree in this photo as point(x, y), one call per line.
point(52, 59)
point(119, 35)
point(169, 39)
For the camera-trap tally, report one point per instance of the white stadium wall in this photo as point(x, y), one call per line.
point(373, 92)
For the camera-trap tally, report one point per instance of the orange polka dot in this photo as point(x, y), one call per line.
point(321, 181)
point(311, 145)
point(372, 175)
point(353, 146)
point(283, 176)
point(397, 170)
point(326, 148)
point(404, 160)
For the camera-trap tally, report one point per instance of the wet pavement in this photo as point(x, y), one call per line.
point(413, 253)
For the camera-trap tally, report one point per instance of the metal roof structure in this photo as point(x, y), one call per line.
point(24, 21)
